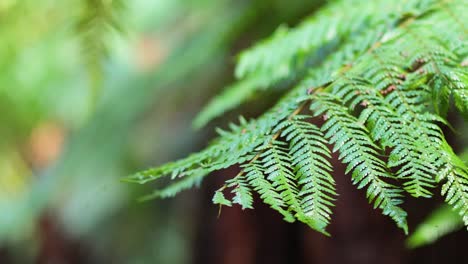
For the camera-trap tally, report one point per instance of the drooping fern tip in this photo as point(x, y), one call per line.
point(373, 81)
point(95, 21)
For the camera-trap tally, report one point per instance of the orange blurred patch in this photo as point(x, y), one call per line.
point(150, 53)
point(45, 144)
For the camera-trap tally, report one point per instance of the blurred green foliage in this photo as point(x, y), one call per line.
point(441, 222)
point(64, 146)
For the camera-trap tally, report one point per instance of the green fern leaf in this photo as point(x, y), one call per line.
point(309, 154)
point(242, 191)
point(382, 74)
point(268, 193)
point(357, 150)
point(219, 198)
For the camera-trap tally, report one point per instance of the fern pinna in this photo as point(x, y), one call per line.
point(380, 75)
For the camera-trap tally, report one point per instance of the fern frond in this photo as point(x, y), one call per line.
point(219, 198)
point(242, 191)
point(288, 54)
point(280, 56)
point(175, 188)
point(387, 127)
point(276, 161)
point(309, 155)
point(95, 20)
point(268, 193)
point(357, 150)
point(455, 188)
point(385, 89)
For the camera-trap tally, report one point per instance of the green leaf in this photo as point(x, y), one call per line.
point(438, 224)
point(218, 198)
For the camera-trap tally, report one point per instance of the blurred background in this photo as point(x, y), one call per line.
point(94, 90)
